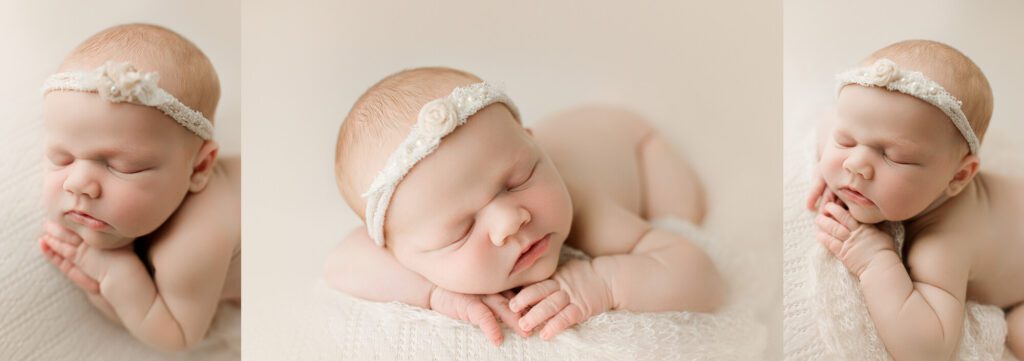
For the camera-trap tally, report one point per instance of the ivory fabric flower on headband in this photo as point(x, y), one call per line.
point(122, 83)
point(436, 119)
point(884, 73)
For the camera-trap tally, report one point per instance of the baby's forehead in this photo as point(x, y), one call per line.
point(469, 164)
point(77, 117)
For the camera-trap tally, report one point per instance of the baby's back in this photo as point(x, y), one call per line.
point(986, 215)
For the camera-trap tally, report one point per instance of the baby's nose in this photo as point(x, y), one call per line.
point(858, 164)
point(509, 225)
point(80, 182)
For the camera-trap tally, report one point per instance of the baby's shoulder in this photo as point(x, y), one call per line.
point(939, 260)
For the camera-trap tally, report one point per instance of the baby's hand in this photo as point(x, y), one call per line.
point(853, 243)
point(575, 293)
point(478, 310)
point(819, 190)
point(85, 266)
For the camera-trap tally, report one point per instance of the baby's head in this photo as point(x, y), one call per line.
point(463, 216)
point(896, 150)
point(117, 169)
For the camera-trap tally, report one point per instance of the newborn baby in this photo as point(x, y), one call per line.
point(132, 171)
point(903, 146)
point(460, 228)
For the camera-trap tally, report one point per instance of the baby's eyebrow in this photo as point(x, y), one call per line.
point(902, 143)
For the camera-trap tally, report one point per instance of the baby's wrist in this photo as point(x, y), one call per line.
point(880, 262)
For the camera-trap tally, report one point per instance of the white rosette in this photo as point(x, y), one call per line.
point(884, 73)
point(436, 119)
point(122, 83)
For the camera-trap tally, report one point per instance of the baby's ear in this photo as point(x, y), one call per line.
point(966, 171)
point(203, 165)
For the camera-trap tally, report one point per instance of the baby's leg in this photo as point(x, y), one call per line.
point(1015, 332)
point(671, 187)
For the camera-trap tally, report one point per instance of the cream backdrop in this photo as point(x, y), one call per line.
point(43, 316)
point(706, 73)
point(824, 38)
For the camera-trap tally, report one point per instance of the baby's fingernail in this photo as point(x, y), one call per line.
point(513, 305)
point(545, 335)
point(524, 325)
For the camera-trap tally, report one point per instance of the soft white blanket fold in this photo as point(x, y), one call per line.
point(825, 317)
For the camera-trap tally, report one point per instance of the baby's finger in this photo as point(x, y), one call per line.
point(481, 316)
point(829, 195)
point(499, 305)
point(63, 249)
point(833, 244)
point(532, 294)
point(812, 198)
point(841, 215)
point(544, 310)
point(831, 226)
point(50, 255)
point(568, 316)
point(83, 280)
point(62, 234)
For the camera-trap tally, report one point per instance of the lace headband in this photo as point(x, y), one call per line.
point(436, 119)
point(884, 74)
point(120, 82)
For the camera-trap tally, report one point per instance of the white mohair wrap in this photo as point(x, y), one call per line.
point(122, 83)
point(823, 308)
point(885, 74)
point(436, 119)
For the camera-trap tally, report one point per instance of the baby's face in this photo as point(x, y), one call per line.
point(487, 211)
point(890, 155)
point(113, 172)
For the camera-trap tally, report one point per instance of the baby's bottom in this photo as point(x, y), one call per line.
point(1015, 331)
point(671, 187)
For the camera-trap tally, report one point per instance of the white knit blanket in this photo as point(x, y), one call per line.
point(823, 308)
point(42, 315)
point(346, 328)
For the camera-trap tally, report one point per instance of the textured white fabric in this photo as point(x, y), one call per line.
point(436, 120)
point(42, 315)
point(885, 74)
point(122, 83)
point(341, 327)
point(825, 317)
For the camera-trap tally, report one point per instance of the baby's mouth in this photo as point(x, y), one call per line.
point(86, 219)
point(531, 254)
point(856, 196)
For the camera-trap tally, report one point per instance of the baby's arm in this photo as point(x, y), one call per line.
point(362, 269)
point(660, 272)
point(191, 253)
point(919, 314)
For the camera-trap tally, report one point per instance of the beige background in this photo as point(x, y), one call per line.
point(42, 315)
point(824, 38)
point(707, 74)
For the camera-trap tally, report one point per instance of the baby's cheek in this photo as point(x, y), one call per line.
point(53, 188)
point(132, 210)
point(831, 166)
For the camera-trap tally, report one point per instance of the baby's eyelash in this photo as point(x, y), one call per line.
point(528, 178)
point(469, 230)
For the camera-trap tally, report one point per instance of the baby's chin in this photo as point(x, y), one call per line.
point(101, 240)
point(866, 216)
point(542, 270)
